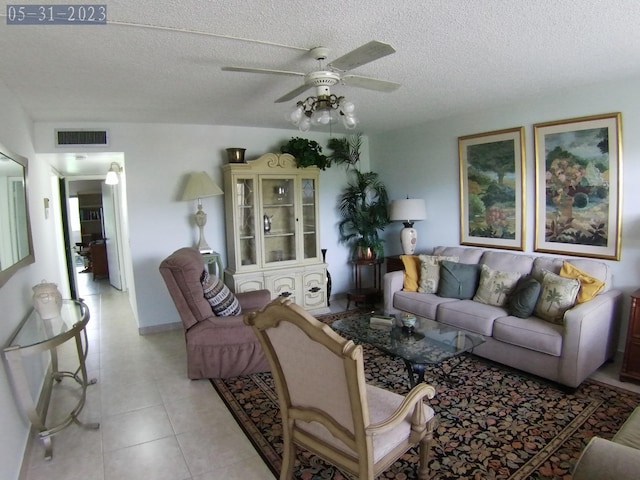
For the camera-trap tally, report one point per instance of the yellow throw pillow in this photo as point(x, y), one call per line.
point(411, 272)
point(589, 286)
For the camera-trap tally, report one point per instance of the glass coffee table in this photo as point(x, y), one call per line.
point(428, 343)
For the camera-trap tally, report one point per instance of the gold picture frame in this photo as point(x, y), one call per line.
point(492, 189)
point(578, 187)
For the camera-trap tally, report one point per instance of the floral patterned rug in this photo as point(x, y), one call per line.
point(497, 423)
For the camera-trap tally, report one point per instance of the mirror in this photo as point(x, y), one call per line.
point(16, 247)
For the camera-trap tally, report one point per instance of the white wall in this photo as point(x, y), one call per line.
point(429, 157)
point(15, 295)
point(158, 157)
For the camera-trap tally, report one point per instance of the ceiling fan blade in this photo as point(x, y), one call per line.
point(366, 53)
point(370, 83)
point(294, 93)
point(262, 70)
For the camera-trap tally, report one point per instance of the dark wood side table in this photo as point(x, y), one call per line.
point(366, 295)
point(394, 263)
point(631, 359)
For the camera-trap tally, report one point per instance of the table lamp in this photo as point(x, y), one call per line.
point(198, 187)
point(408, 210)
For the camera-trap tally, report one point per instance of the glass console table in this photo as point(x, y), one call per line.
point(37, 340)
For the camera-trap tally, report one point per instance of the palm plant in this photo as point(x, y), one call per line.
point(363, 204)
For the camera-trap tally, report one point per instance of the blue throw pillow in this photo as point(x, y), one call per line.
point(458, 280)
point(522, 301)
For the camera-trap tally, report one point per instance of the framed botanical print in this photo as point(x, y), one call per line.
point(578, 189)
point(492, 189)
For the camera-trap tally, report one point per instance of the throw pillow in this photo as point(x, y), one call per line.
point(522, 301)
point(458, 280)
point(222, 300)
point(430, 272)
point(589, 286)
point(557, 295)
point(495, 285)
point(411, 272)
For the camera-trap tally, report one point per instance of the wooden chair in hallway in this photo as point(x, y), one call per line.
point(326, 406)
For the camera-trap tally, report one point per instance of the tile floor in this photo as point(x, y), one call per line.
point(155, 423)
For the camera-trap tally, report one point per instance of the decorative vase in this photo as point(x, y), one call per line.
point(236, 155)
point(365, 253)
point(47, 299)
point(324, 259)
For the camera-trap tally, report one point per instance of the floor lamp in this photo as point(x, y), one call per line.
point(408, 210)
point(198, 187)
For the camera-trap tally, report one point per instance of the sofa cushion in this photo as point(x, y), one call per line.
point(411, 265)
point(522, 301)
point(458, 280)
point(495, 286)
point(557, 295)
point(507, 262)
point(421, 304)
point(464, 254)
point(471, 316)
point(430, 272)
point(590, 286)
point(531, 333)
point(222, 300)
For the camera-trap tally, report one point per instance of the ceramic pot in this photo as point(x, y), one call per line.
point(47, 299)
point(236, 155)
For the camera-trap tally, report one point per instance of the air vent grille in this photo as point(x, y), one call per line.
point(81, 137)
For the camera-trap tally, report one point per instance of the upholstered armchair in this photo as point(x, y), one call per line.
point(325, 404)
point(217, 347)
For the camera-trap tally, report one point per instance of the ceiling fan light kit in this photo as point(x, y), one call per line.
point(326, 108)
point(323, 110)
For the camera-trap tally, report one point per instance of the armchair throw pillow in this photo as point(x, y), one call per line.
point(222, 300)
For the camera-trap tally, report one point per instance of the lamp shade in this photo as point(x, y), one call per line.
point(408, 210)
point(200, 185)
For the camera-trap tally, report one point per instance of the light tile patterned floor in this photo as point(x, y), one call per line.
point(155, 423)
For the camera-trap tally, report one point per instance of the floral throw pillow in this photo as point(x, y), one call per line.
point(557, 295)
point(430, 272)
point(495, 286)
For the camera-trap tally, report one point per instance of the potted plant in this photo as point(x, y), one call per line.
point(363, 204)
point(306, 152)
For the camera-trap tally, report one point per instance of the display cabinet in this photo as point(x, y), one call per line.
point(273, 242)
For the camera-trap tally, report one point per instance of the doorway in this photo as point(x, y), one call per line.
point(93, 232)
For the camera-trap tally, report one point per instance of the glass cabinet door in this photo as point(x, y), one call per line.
point(309, 220)
point(278, 219)
point(246, 215)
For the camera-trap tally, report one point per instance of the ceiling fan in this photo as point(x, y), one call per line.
point(320, 107)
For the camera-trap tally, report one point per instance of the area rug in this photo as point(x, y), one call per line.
point(497, 423)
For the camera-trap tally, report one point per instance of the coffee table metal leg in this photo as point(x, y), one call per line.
point(415, 372)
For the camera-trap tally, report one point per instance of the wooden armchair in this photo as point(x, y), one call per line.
point(326, 406)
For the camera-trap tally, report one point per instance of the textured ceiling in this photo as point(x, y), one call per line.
point(452, 56)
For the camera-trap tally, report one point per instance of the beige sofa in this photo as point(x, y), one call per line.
point(616, 459)
point(566, 354)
